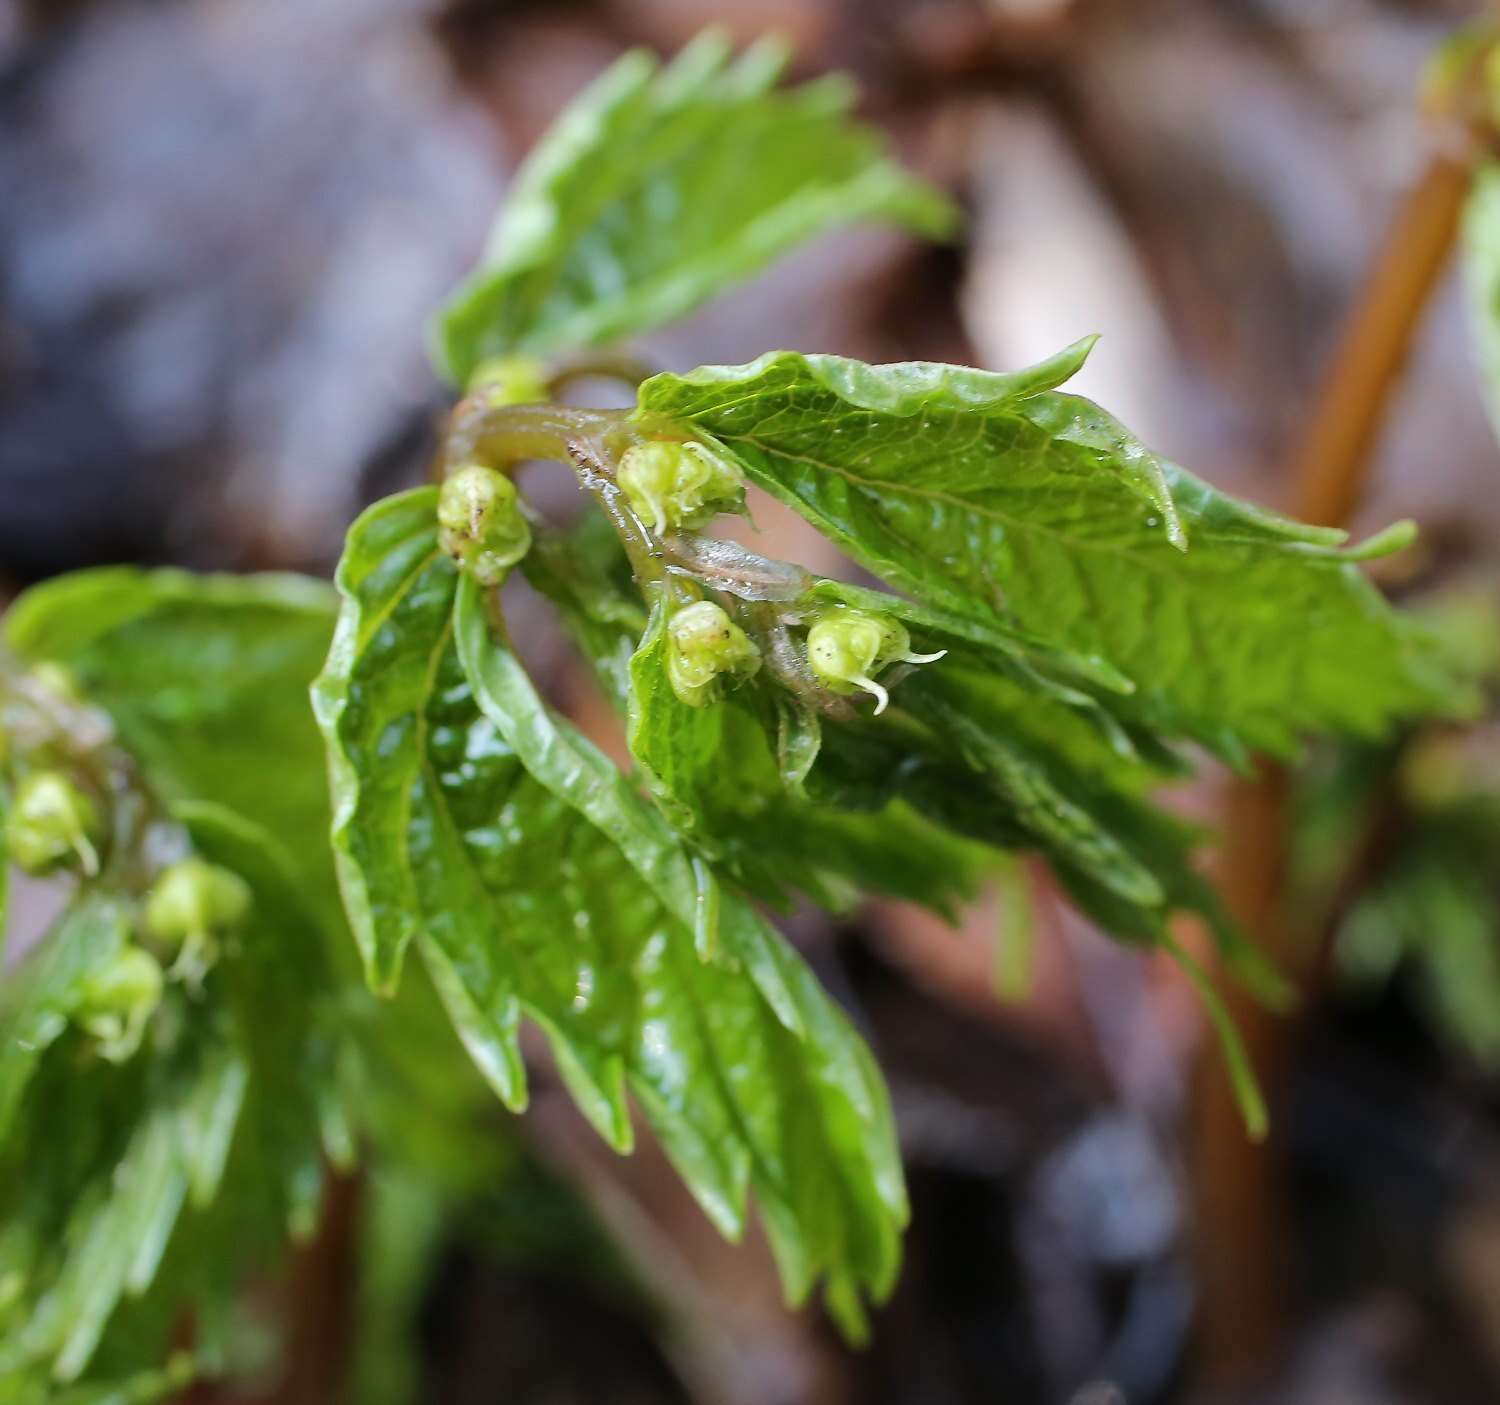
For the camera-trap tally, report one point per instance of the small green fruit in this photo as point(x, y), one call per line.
point(117, 1000)
point(52, 821)
point(482, 529)
point(846, 648)
point(672, 485)
point(703, 643)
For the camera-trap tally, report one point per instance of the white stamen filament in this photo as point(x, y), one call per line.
point(871, 686)
point(88, 856)
point(924, 658)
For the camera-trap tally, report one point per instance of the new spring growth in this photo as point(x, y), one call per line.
point(703, 643)
point(673, 485)
point(482, 529)
point(118, 999)
point(510, 380)
point(189, 905)
point(846, 648)
point(52, 822)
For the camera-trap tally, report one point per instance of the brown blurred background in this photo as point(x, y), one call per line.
point(222, 226)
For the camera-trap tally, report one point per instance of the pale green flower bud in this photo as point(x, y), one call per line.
point(58, 680)
point(52, 821)
point(703, 643)
point(847, 648)
point(510, 380)
point(117, 1000)
point(672, 485)
point(188, 905)
point(195, 896)
point(482, 529)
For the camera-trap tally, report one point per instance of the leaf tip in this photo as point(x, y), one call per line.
point(1242, 1079)
point(845, 1305)
point(1397, 537)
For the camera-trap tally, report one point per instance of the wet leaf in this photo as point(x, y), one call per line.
point(1002, 500)
point(750, 1077)
point(659, 188)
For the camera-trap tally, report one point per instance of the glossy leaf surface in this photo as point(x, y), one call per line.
point(748, 1074)
point(113, 1175)
point(1002, 499)
point(205, 678)
point(660, 187)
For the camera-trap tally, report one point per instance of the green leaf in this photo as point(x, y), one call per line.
point(1481, 237)
point(396, 584)
point(659, 188)
point(1002, 500)
point(136, 1387)
point(120, 1225)
point(205, 678)
point(36, 1002)
point(1065, 776)
point(1236, 1058)
point(750, 1077)
point(289, 1006)
point(4, 882)
point(1042, 774)
point(95, 1178)
point(810, 1104)
point(1024, 781)
point(115, 1178)
point(721, 778)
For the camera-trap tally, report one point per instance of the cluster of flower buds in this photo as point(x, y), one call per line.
point(190, 906)
point(481, 525)
point(59, 819)
point(51, 823)
point(847, 647)
point(673, 484)
point(704, 645)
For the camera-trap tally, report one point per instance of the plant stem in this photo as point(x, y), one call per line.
point(588, 441)
point(600, 365)
point(501, 436)
point(1332, 465)
point(1238, 1184)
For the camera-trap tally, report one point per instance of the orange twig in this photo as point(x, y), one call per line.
point(1333, 462)
point(1243, 1295)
